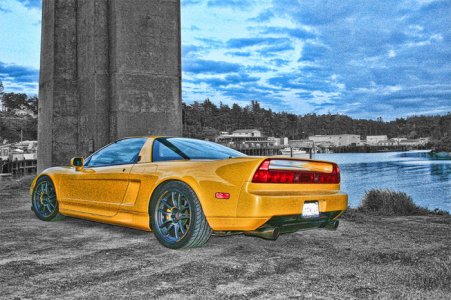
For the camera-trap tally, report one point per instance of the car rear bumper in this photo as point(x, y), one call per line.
point(257, 208)
point(294, 223)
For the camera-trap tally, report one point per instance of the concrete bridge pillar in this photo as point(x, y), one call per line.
point(109, 69)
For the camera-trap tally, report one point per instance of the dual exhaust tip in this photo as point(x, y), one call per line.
point(272, 233)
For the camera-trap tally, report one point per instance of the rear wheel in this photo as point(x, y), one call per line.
point(44, 202)
point(176, 217)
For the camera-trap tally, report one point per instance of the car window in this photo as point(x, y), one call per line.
point(121, 152)
point(183, 148)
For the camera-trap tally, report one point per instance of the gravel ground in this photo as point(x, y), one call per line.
point(399, 257)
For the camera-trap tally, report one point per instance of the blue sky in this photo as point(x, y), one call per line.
point(361, 58)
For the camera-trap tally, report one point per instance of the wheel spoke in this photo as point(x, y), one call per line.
point(182, 230)
point(165, 223)
point(174, 202)
point(164, 212)
point(176, 231)
point(50, 205)
point(184, 216)
point(170, 227)
point(166, 204)
point(181, 203)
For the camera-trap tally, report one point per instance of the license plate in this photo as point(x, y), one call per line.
point(310, 210)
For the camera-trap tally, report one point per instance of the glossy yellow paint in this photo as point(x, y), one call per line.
point(121, 194)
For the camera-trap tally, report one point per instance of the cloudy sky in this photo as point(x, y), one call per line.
point(361, 58)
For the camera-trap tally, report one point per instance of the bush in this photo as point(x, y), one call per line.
point(385, 202)
point(389, 203)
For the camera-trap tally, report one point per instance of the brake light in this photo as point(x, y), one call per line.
point(266, 174)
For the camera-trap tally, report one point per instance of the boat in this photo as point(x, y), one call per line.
point(295, 152)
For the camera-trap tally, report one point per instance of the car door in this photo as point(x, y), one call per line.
point(100, 186)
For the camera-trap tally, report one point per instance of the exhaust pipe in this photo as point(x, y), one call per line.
point(267, 233)
point(332, 225)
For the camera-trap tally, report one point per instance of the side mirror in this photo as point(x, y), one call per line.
point(77, 162)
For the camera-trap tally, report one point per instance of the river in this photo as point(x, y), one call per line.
point(427, 181)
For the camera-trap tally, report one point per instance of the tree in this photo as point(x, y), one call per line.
point(13, 101)
point(33, 104)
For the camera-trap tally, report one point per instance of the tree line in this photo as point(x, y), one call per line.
point(205, 120)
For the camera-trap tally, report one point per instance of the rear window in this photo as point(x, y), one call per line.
point(165, 149)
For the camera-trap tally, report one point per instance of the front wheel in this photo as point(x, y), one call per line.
point(44, 202)
point(176, 217)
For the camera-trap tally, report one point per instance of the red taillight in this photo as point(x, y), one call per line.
point(266, 175)
point(219, 195)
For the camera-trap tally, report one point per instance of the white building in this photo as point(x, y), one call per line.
point(397, 140)
point(336, 140)
point(247, 132)
point(274, 140)
point(375, 139)
point(414, 142)
point(386, 143)
point(245, 138)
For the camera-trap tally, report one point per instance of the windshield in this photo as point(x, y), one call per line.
point(183, 148)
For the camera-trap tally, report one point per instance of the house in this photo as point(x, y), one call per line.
point(375, 139)
point(247, 132)
point(247, 138)
point(386, 143)
point(336, 140)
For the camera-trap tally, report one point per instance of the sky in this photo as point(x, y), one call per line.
point(366, 59)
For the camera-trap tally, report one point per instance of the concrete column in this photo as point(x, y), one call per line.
point(58, 97)
point(109, 69)
point(93, 74)
point(145, 67)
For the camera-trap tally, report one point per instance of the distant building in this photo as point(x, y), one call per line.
point(387, 143)
point(300, 143)
point(425, 140)
point(245, 138)
point(18, 157)
point(24, 112)
point(375, 139)
point(397, 140)
point(247, 132)
point(414, 142)
point(336, 140)
point(276, 141)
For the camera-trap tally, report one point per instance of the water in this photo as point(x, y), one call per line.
point(427, 181)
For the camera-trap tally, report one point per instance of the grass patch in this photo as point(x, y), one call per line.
point(431, 275)
point(385, 202)
point(16, 183)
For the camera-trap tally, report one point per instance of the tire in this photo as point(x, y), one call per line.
point(176, 217)
point(43, 199)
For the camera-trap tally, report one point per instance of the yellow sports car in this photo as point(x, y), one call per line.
point(186, 189)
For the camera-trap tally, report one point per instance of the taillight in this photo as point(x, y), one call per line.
point(266, 174)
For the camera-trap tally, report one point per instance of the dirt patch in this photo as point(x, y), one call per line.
point(375, 257)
